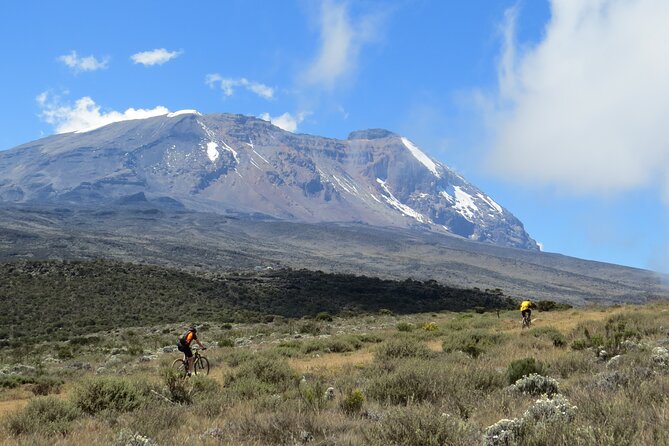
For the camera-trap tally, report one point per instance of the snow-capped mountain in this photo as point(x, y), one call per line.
point(238, 164)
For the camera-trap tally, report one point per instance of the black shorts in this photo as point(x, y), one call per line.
point(185, 349)
point(526, 312)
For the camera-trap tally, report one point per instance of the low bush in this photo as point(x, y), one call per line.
point(45, 385)
point(324, 316)
point(409, 381)
point(313, 393)
point(110, 393)
point(46, 415)
point(536, 385)
point(226, 342)
point(421, 425)
point(338, 344)
point(571, 363)
point(523, 367)
point(550, 333)
point(473, 342)
point(403, 348)
point(430, 326)
point(310, 327)
point(179, 389)
point(352, 402)
point(549, 305)
point(273, 372)
point(39, 385)
point(405, 327)
point(155, 419)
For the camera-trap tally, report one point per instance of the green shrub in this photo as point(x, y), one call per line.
point(473, 342)
point(430, 326)
point(549, 305)
point(45, 385)
point(523, 367)
point(10, 381)
point(409, 381)
point(572, 363)
point(403, 348)
point(421, 425)
point(324, 316)
point(247, 387)
point(110, 393)
point(310, 327)
point(235, 357)
point(226, 342)
point(551, 333)
point(339, 344)
point(180, 390)
point(204, 385)
point(580, 344)
point(274, 372)
point(313, 394)
point(352, 402)
point(154, 420)
point(47, 415)
point(405, 327)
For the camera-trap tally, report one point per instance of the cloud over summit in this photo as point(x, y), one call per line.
point(85, 114)
point(587, 108)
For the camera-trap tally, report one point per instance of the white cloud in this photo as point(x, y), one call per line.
point(341, 41)
point(158, 56)
point(85, 114)
point(78, 64)
point(586, 108)
point(229, 85)
point(286, 121)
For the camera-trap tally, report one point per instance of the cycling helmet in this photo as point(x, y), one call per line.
point(192, 328)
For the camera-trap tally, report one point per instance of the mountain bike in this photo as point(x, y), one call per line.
point(200, 364)
point(527, 321)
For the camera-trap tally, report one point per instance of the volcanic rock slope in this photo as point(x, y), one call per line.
point(233, 164)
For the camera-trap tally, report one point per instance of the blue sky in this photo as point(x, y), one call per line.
point(557, 109)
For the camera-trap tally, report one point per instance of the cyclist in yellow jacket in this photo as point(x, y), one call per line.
point(526, 311)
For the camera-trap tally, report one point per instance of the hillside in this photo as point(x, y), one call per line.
point(145, 233)
point(42, 301)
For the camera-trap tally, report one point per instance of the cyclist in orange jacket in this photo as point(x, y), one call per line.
point(184, 346)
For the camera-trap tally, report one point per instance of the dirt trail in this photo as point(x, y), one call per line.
point(331, 361)
point(12, 406)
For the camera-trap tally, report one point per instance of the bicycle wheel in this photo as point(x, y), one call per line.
point(180, 366)
point(202, 366)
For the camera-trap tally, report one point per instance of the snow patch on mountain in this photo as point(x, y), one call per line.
point(447, 196)
point(212, 151)
point(394, 202)
point(420, 156)
point(464, 203)
point(490, 202)
point(212, 136)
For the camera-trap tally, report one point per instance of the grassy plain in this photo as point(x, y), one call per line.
point(415, 379)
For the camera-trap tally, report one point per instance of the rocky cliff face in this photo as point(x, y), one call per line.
point(237, 164)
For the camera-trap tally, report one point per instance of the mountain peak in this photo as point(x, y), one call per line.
point(229, 163)
point(371, 134)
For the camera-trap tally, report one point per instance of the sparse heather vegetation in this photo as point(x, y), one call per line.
point(42, 301)
point(353, 380)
